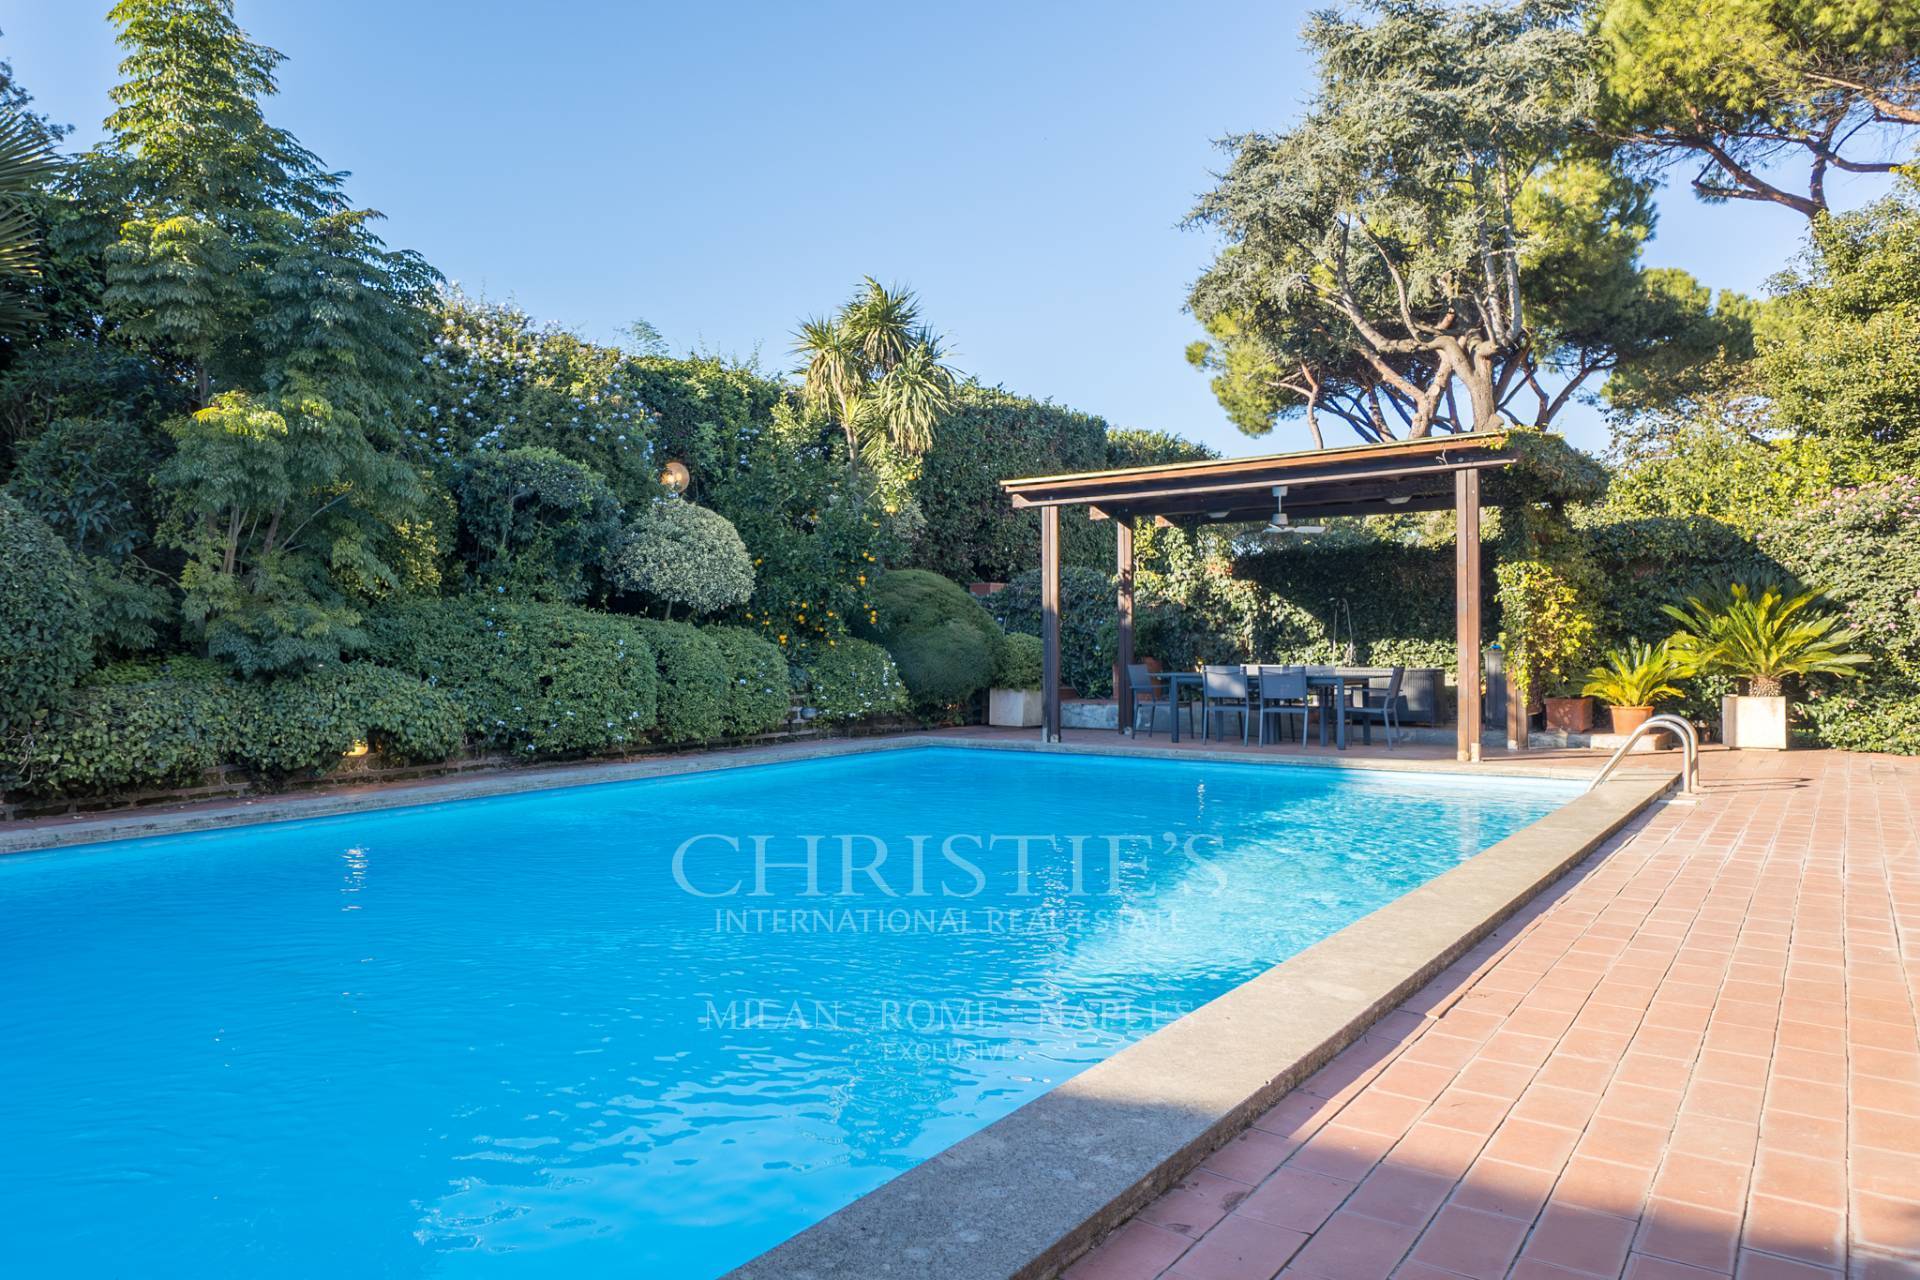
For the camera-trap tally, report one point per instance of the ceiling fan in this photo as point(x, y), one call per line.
point(1278, 523)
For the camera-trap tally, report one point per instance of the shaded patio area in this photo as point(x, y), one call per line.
point(1695, 1056)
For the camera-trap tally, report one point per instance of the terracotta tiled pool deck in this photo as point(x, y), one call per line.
point(1695, 1056)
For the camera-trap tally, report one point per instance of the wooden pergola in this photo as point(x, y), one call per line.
point(1413, 475)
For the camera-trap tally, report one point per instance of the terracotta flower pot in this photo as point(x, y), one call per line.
point(1569, 715)
point(1627, 719)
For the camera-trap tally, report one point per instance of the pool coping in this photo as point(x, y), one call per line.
point(1027, 1195)
point(35, 834)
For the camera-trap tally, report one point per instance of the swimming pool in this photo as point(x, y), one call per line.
point(648, 1027)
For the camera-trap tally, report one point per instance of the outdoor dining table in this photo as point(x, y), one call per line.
point(1330, 682)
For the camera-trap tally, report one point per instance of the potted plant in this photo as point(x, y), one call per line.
point(1632, 679)
point(1761, 636)
point(1014, 700)
point(1547, 628)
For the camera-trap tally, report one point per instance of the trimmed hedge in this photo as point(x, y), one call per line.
point(692, 676)
point(530, 678)
point(848, 680)
point(46, 624)
point(134, 729)
point(758, 689)
point(1087, 624)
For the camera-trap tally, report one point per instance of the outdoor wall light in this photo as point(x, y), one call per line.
point(1400, 500)
point(355, 751)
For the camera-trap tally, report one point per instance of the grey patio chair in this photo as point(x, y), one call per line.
point(1282, 694)
point(1381, 706)
point(1223, 691)
point(1153, 695)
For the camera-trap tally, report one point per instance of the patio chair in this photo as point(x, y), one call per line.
point(1282, 693)
point(1153, 694)
point(1381, 706)
point(1223, 691)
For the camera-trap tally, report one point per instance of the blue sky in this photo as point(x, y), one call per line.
point(724, 169)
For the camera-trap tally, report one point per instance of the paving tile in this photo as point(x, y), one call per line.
point(1580, 1240)
point(1470, 1243)
point(1137, 1251)
point(1200, 1200)
point(1240, 1248)
point(1295, 1199)
point(1351, 1246)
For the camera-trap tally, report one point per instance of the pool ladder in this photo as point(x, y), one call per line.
point(1689, 746)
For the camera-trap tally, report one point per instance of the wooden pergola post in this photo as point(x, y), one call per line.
point(1123, 650)
point(1050, 624)
point(1466, 608)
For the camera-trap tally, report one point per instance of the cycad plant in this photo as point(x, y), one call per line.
point(1636, 676)
point(877, 372)
point(1763, 635)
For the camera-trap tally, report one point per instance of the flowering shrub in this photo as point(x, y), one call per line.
point(758, 690)
point(684, 556)
point(849, 680)
point(496, 381)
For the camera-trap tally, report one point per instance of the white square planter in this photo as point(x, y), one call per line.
point(1014, 708)
point(1754, 724)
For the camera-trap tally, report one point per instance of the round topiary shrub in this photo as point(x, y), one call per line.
point(758, 691)
point(943, 642)
point(1022, 662)
point(945, 664)
point(849, 680)
point(46, 626)
point(686, 558)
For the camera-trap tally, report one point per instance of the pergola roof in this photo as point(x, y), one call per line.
point(1365, 479)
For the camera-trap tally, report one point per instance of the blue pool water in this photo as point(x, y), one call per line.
point(537, 1035)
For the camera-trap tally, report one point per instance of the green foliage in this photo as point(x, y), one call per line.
point(535, 523)
point(497, 381)
point(1854, 719)
point(1547, 621)
point(990, 435)
point(1636, 676)
point(850, 680)
point(1843, 361)
point(46, 622)
point(1739, 84)
point(1763, 636)
point(694, 681)
point(529, 678)
point(943, 641)
point(227, 243)
point(879, 374)
point(1393, 600)
point(758, 689)
point(289, 519)
point(1087, 625)
point(1022, 662)
point(166, 725)
point(943, 664)
point(1860, 543)
point(1725, 463)
point(26, 161)
point(91, 480)
point(1432, 223)
point(676, 554)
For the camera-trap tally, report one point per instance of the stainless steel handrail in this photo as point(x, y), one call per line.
point(1689, 746)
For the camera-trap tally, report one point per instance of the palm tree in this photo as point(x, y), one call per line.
point(1763, 638)
point(26, 161)
point(877, 372)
